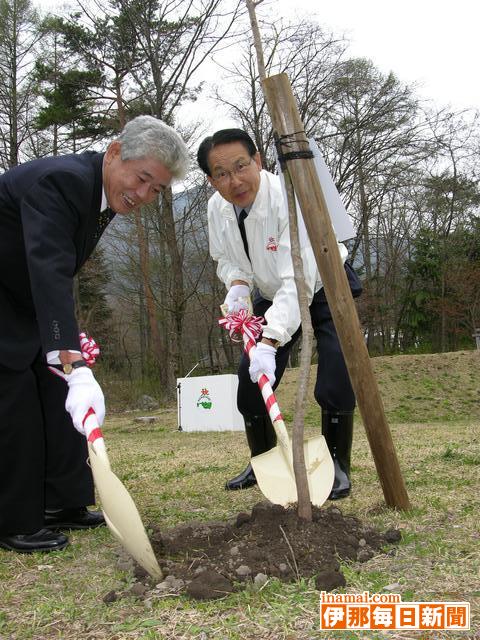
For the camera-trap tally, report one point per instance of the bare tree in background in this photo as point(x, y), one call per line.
point(400, 172)
point(149, 54)
point(377, 141)
point(374, 140)
point(174, 39)
point(18, 40)
point(307, 53)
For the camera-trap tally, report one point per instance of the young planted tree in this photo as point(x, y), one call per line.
point(304, 499)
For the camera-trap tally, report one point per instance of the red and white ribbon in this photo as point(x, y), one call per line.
point(91, 426)
point(241, 324)
point(90, 349)
point(249, 328)
point(266, 388)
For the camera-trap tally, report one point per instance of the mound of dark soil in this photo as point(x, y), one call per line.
point(211, 559)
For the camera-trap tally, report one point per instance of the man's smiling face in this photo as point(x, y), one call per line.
point(129, 184)
point(234, 173)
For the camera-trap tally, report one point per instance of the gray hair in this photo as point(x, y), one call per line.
point(146, 136)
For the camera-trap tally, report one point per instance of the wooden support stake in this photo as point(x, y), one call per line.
point(304, 505)
point(286, 122)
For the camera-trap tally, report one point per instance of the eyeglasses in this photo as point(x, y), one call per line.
point(222, 176)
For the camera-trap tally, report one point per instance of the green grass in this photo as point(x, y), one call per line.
point(175, 477)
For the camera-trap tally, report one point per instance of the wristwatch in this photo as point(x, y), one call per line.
point(70, 366)
point(272, 342)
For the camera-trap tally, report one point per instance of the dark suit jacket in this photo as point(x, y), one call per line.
point(50, 223)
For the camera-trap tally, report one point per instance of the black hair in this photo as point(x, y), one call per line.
point(224, 136)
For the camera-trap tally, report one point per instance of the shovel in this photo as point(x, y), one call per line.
point(120, 512)
point(274, 468)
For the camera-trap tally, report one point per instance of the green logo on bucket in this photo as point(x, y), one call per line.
point(204, 400)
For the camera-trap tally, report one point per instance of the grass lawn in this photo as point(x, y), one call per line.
point(433, 407)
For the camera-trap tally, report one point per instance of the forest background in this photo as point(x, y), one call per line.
point(406, 169)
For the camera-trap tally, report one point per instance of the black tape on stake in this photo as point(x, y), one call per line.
point(287, 140)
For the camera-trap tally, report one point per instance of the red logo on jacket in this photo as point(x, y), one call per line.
point(272, 244)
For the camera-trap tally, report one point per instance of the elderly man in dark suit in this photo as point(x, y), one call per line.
point(52, 214)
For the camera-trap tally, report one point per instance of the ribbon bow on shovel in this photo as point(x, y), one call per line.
point(274, 468)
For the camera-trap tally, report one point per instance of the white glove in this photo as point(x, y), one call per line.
point(263, 361)
point(83, 392)
point(238, 297)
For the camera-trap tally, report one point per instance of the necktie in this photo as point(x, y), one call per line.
point(241, 225)
point(104, 219)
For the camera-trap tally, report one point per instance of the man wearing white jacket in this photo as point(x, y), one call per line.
point(249, 238)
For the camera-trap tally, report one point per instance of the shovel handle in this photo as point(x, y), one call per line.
point(94, 435)
point(269, 399)
point(263, 382)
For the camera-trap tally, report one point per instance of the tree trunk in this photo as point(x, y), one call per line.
point(299, 467)
point(177, 300)
point(155, 346)
point(13, 124)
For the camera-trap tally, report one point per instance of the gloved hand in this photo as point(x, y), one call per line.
point(238, 297)
point(83, 392)
point(263, 361)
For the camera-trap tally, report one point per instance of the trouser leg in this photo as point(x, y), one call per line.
point(333, 389)
point(68, 477)
point(258, 426)
point(22, 447)
point(260, 434)
point(334, 393)
point(44, 459)
point(260, 437)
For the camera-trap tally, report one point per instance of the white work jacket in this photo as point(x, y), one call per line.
point(270, 266)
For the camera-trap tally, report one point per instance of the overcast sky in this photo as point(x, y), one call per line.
point(432, 42)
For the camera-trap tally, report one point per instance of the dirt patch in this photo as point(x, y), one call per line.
point(211, 559)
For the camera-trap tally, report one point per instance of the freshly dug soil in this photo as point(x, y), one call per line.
point(211, 559)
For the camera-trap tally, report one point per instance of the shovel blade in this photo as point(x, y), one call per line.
point(276, 479)
point(121, 515)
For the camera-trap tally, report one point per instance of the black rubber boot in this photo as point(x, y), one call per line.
point(260, 437)
point(338, 431)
